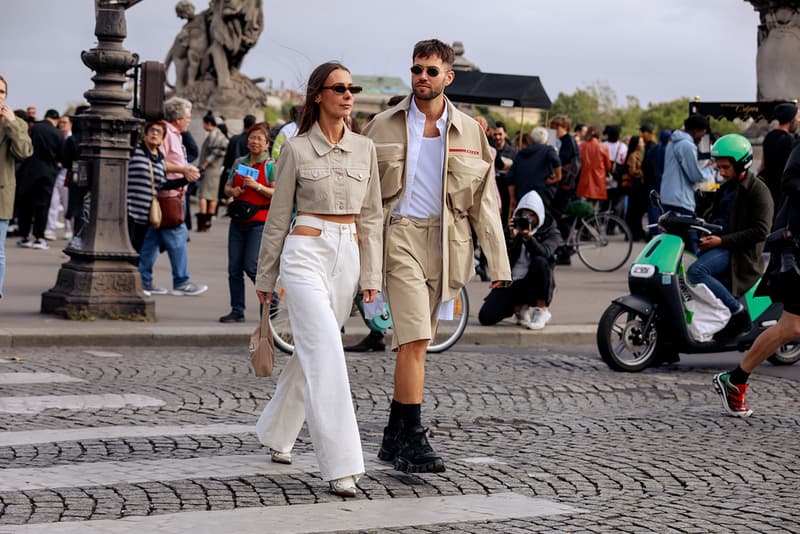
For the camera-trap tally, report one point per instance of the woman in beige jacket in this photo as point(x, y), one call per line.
point(330, 176)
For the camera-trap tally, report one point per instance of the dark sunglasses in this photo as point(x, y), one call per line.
point(433, 72)
point(341, 88)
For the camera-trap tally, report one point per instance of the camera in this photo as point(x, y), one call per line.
point(522, 222)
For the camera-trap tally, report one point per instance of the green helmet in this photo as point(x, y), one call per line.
point(735, 147)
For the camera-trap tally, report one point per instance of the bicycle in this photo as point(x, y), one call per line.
point(602, 240)
point(447, 334)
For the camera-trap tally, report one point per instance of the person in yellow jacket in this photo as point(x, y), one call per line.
point(435, 168)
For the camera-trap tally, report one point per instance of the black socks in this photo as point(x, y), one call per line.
point(407, 415)
point(738, 376)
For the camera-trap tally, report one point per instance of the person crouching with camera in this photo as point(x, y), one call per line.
point(533, 238)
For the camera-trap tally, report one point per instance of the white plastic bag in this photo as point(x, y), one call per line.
point(706, 314)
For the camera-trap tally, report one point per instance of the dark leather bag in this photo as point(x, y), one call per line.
point(172, 212)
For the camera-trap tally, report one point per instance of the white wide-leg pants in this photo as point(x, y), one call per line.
point(320, 277)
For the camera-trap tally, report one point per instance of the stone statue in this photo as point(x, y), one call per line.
point(208, 52)
point(778, 57)
point(462, 63)
point(189, 47)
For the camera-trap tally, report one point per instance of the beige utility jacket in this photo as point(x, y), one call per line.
point(469, 194)
point(314, 176)
point(15, 145)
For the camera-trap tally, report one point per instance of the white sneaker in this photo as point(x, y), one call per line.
point(68, 236)
point(40, 244)
point(148, 291)
point(190, 290)
point(50, 235)
point(523, 316)
point(539, 318)
point(24, 243)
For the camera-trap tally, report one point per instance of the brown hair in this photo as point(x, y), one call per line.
point(592, 131)
point(560, 120)
point(313, 88)
point(259, 127)
point(434, 47)
point(4, 82)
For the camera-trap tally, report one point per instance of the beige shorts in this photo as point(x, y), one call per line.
point(413, 277)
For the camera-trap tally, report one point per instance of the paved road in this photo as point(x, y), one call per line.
point(535, 440)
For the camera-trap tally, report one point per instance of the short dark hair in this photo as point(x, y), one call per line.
point(434, 47)
point(578, 127)
point(500, 124)
point(248, 121)
point(51, 114)
point(208, 118)
point(695, 122)
point(260, 127)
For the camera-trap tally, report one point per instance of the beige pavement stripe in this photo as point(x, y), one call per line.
point(29, 437)
point(110, 473)
point(16, 379)
point(353, 514)
point(36, 404)
point(3, 360)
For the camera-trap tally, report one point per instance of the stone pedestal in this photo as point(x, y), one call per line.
point(778, 58)
point(100, 279)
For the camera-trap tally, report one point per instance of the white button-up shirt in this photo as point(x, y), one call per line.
point(411, 205)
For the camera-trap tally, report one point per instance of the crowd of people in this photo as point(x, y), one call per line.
point(396, 209)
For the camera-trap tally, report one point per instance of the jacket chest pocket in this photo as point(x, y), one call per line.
point(314, 183)
point(464, 176)
point(356, 184)
point(391, 162)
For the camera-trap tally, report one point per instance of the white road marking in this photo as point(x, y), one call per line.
point(29, 437)
point(483, 460)
point(103, 354)
point(35, 378)
point(110, 473)
point(36, 404)
point(350, 515)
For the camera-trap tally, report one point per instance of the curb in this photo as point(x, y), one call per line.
point(121, 334)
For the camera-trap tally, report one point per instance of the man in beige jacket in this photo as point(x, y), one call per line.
point(15, 145)
point(435, 168)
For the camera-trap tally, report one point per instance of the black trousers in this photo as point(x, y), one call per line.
point(538, 284)
point(32, 206)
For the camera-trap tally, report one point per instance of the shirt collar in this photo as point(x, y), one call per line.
point(321, 144)
point(415, 114)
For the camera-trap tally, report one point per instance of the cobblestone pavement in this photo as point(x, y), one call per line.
point(608, 452)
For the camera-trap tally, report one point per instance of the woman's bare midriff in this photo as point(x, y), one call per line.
point(338, 219)
point(348, 218)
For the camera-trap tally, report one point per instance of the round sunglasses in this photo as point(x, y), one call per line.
point(433, 72)
point(341, 88)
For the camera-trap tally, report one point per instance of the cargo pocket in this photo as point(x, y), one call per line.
point(391, 159)
point(464, 176)
point(460, 255)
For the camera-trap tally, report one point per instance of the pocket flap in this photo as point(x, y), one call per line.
point(473, 167)
point(390, 151)
point(358, 174)
point(313, 174)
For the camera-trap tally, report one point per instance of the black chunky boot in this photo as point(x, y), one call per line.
point(415, 454)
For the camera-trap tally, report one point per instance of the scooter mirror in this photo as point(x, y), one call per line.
point(655, 200)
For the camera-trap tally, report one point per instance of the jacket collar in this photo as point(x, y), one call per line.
point(321, 144)
point(452, 117)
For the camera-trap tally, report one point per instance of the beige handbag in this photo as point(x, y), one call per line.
point(262, 350)
point(155, 207)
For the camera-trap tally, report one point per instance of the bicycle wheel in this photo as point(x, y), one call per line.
point(604, 242)
point(279, 320)
point(449, 332)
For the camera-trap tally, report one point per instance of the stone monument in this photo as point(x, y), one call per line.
point(461, 62)
point(207, 55)
point(778, 57)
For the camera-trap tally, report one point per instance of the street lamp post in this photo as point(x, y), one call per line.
point(100, 279)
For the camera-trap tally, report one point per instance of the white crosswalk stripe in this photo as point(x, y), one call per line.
point(30, 437)
point(16, 379)
point(356, 514)
point(36, 404)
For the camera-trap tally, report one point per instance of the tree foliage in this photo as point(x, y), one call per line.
point(597, 105)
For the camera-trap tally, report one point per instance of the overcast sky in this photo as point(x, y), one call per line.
point(654, 50)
